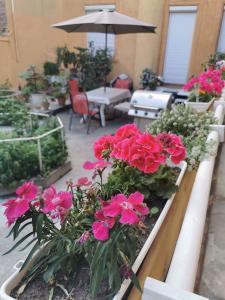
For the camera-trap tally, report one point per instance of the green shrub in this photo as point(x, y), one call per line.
point(19, 160)
point(50, 68)
point(13, 112)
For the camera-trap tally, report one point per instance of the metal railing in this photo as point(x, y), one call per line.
point(39, 137)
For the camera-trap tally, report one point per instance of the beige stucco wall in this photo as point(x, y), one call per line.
point(32, 41)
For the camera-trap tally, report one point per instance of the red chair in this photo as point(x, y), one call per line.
point(122, 81)
point(122, 84)
point(80, 105)
point(73, 88)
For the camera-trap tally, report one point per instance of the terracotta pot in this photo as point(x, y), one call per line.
point(45, 105)
point(61, 101)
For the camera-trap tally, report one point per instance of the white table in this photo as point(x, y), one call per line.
point(108, 96)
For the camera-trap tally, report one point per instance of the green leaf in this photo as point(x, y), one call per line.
point(40, 219)
point(154, 210)
point(18, 243)
point(27, 245)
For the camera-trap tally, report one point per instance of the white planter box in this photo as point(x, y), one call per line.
point(199, 106)
point(15, 278)
point(36, 100)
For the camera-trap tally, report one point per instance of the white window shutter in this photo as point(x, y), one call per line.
point(96, 40)
point(179, 45)
point(221, 43)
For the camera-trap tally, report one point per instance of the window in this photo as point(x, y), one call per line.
point(96, 40)
point(221, 43)
point(3, 18)
point(179, 43)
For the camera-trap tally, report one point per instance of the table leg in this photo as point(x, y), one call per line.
point(102, 115)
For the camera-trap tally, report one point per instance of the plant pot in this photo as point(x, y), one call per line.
point(14, 279)
point(61, 101)
point(45, 105)
point(200, 106)
point(36, 100)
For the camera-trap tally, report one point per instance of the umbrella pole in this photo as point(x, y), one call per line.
point(106, 48)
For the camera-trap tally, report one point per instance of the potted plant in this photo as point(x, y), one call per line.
point(149, 80)
point(203, 89)
point(59, 92)
point(35, 87)
point(45, 104)
point(51, 71)
point(102, 223)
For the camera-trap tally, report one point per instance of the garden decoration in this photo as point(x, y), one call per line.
point(192, 127)
point(92, 229)
point(106, 22)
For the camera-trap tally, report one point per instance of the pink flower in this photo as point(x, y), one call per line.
point(88, 165)
point(55, 203)
point(17, 207)
point(103, 147)
point(173, 146)
point(83, 181)
point(84, 237)
point(126, 131)
point(209, 82)
point(27, 191)
point(101, 228)
point(130, 209)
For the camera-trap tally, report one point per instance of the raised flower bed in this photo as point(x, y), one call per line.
point(204, 89)
point(34, 148)
point(102, 223)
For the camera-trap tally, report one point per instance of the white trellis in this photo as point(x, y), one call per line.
point(39, 137)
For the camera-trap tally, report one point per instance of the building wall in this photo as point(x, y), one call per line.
point(206, 34)
point(31, 40)
point(3, 19)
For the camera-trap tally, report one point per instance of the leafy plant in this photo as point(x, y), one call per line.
point(192, 127)
point(5, 89)
point(35, 81)
point(19, 160)
point(127, 179)
point(100, 223)
point(149, 80)
point(91, 69)
point(50, 68)
point(12, 112)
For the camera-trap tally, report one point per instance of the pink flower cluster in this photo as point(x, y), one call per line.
point(55, 204)
point(140, 150)
point(126, 210)
point(15, 208)
point(207, 82)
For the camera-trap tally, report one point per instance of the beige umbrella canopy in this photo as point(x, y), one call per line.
point(106, 22)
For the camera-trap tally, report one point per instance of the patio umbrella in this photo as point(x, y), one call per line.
point(106, 22)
